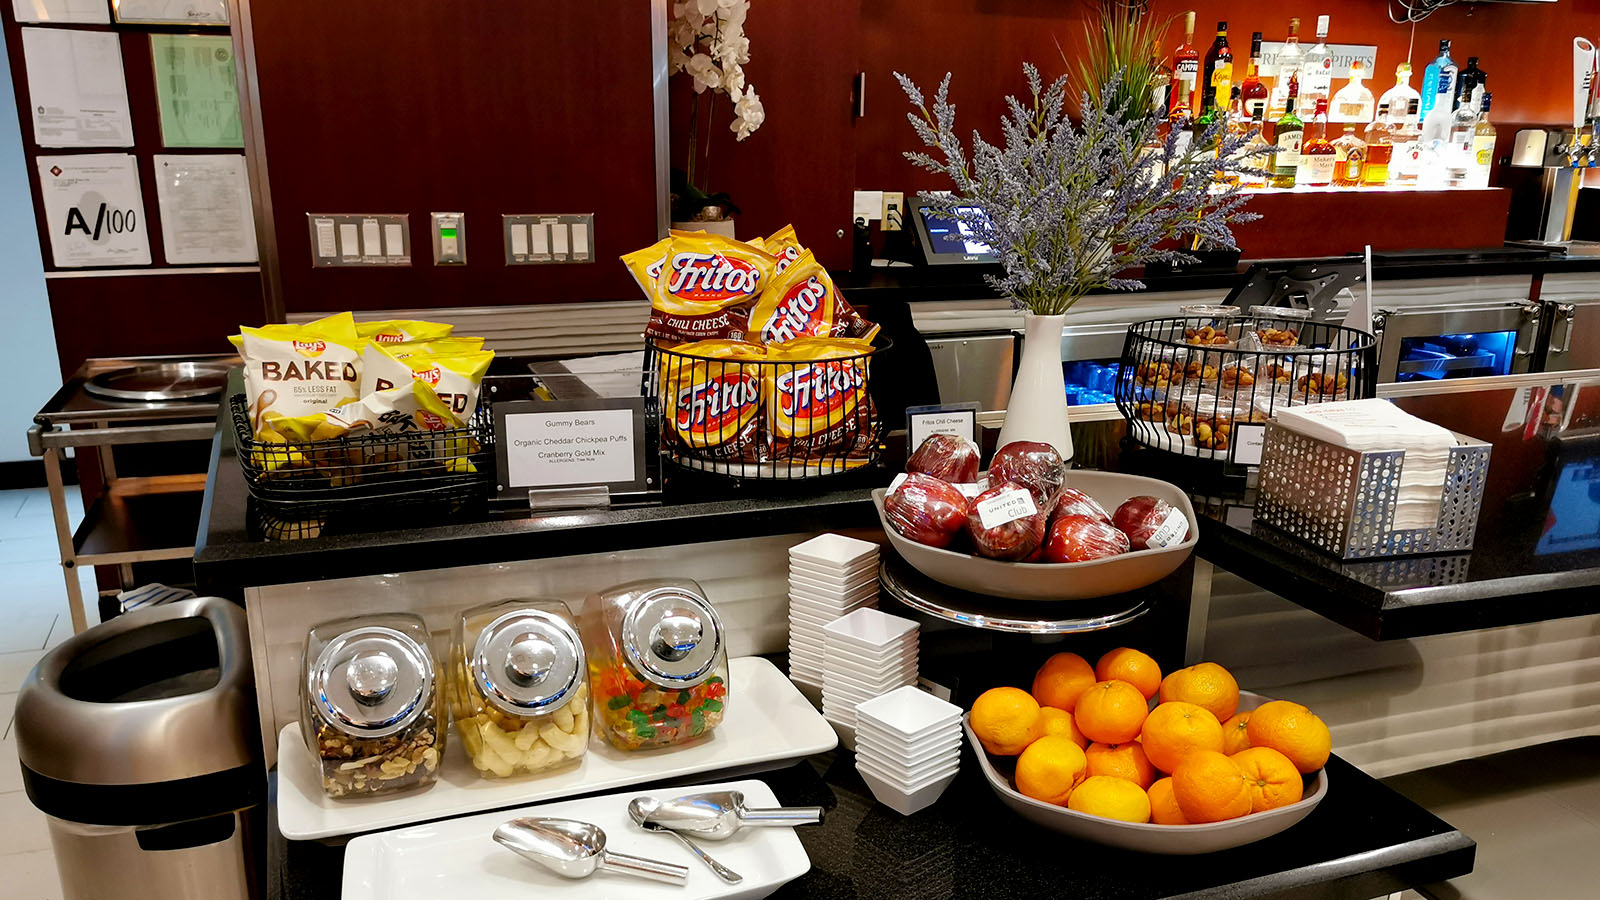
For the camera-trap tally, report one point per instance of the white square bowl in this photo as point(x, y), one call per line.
point(912, 712)
point(870, 628)
point(865, 570)
point(909, 780)
point(834, 550)
point(872, 744)
point(905, 802)
point(812, 587)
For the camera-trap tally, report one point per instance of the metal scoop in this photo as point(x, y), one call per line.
point(719, 814)
point(574, 849)
point(639, 810)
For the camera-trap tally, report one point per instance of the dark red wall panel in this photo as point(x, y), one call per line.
point(482, 108)
point(150, 314)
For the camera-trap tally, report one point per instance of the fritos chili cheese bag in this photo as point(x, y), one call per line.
point(706, 288)
point(455, 378)
point(714, 404)
point(645, 265)
point(803, 302)
point(818, 407)
point(292, 371)
point(784, 245)
point(402, 331)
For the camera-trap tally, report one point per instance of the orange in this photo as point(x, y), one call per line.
point(1271, 777)
point(1236, 734)
point(1132, 666)
point(1176, 729)
point(1061, 679)
point(1204, 684)
point(1294, 731)
point(1050, 769)
point(1059, 721)
point(1164, 808)
point(1006, 720)
point(1111, 712)
point(1210, 787)
point(1111, 798)
point(1125, 761)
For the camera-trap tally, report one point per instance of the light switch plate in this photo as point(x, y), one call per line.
point(359, 239)
point(541, 239)
point(449, 238)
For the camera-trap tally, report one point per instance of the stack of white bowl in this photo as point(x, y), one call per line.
point(865, 655)
point(908, 747)
point(829, 576)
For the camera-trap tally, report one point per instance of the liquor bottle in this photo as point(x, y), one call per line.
point(1353, 102)
point(1380, 149)
point(1238, 125)
point(1469, 78)
point(1290, 60)
point(1160, 81)
point(1251, 89)
point(1256, 157)
point(1483, 138)
point(1186, 73)
point(1316, 151)
point(1349, 159)
point(1317, 81)
point(1406, 137)
point(1438, 78)
point(1219, 64)
point(1207, 145)
point(1286, 134)
point(1399, 97)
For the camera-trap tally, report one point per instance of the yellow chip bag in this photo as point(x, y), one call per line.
point(714, 399)
point(783, 245)
point(292, 371)
point(645, 265)
point(455, 378)
point(818, 403)
point(706, 288)
point(800, 302)
point(402, 331)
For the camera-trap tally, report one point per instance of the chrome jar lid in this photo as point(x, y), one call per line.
point(527, 661)
point(371, 681)
point(672, 637)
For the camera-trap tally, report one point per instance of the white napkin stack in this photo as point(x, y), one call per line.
point(1376, 425)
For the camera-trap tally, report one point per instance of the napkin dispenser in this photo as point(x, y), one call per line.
point(1343, 501)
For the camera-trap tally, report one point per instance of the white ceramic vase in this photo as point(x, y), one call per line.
point(1037, 410)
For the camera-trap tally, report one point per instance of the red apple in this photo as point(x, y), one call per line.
point(1034, 465)
point(1151, 523)
point(946, 457)
point(926, 510)
point(1015, 524)
point(1074, 502)
point(1075, 538)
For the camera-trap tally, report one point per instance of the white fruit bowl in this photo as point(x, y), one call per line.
point(1058, 581)
point(1173, 840)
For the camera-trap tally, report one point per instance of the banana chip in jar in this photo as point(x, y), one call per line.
point(705, 289)
point(294, 371)
point(817, 400)
point(713, 395)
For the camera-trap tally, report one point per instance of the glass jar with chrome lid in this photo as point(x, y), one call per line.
point(518, 683)
point(658, 663)
point(369, 707)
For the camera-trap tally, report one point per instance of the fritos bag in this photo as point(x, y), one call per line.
point(714, 404)
point(292, 371)
point(706, 288)
point(645, 265)
point(803, 302)
point(402, 331)
point(817, 404)
point(455, 378)
point(784, 245)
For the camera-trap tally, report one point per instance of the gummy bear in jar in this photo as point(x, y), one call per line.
point(658, 663)
point(518, 686)
point(370, 709)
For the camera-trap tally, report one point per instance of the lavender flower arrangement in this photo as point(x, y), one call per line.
point(1066, 207)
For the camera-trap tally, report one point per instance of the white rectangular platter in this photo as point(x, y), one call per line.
point(459, 858)
point(768, 720)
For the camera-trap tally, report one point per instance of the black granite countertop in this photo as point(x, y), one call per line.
point(1364, 840)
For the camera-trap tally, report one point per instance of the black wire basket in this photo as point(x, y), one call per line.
point(299, 482)
point(1187, 382)
point(767, 420)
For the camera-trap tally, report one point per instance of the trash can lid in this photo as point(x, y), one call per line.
point(371, 681)
point(157, 695)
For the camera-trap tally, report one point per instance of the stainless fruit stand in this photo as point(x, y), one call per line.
point(134, 519)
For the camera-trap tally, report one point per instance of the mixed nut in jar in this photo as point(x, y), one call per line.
point(369, 706)
point(518, 686)
point(658, 663)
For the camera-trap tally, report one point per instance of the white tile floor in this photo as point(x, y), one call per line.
point(33, 617)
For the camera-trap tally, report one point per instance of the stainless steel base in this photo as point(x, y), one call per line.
point(910, 587)
point(103, 862)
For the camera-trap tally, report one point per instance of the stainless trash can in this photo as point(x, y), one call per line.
point(139, 740)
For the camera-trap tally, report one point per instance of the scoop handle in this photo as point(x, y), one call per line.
point(782, 816)
point(653, 869)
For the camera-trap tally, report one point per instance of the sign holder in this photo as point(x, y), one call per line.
point(589, 453)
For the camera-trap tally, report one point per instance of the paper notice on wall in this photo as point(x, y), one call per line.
point(58, 11)
point(76, 90)
point(188, 12)
point(94, 210)
point(196, 90)
point(205, 209)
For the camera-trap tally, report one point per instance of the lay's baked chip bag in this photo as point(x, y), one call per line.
point(817, 405)
point(455, 378)
point(402, 331)
point(706, 288)
point(714, 407)
point(292, 371)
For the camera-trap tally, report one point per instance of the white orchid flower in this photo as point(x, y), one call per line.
point(732, 79)
point(708, 7)
point(705, 72)
point(733, 12)
point(748, 114)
